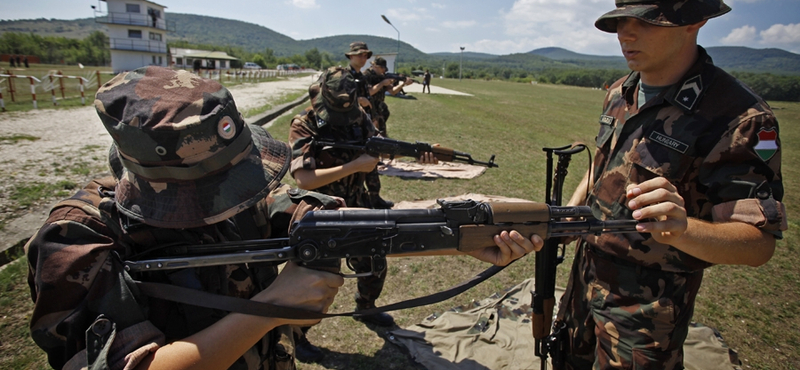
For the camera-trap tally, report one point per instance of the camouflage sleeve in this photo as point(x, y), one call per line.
point(742, 174)
point(286, 205)
point(300, 137)
point(87, 311)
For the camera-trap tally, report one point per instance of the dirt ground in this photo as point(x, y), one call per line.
point(67, 147)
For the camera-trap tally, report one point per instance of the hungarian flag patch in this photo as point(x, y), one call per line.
point(767, 144)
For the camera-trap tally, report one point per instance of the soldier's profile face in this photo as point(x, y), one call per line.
point(649, 48)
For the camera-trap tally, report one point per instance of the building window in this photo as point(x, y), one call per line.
point(132, 8)
point(179, 61)
point(160, 61)
point(155, 36)
point(134, 34)
point(222, 64)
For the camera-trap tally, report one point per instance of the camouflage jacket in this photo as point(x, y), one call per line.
point(89, 313)
point(710, 136)
point(373, 78)
point(304, 129)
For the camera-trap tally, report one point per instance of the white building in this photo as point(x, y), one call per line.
point(137, 33)
point(185, 58)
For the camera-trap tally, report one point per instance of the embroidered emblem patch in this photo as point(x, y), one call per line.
point(226, 128)
point(690, 92)
point(606, 120)
point(767, 144)
point(669, 142)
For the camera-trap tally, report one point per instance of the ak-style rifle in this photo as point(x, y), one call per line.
point(378, 145)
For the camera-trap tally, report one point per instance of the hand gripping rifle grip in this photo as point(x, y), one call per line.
point(527, 218)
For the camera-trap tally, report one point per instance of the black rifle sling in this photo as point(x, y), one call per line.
point(232, 304)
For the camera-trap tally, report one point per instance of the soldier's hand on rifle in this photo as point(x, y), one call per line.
point(387, 82)
point(409, 81)
point(318, 289)
point(508, 247)
point(659, 208)
point(364, 163)
point(427, 158)
point(364, 102)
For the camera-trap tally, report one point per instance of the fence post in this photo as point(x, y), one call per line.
point(61, 83)
point(99, 84)
point(33, 93)
point(11, 86)
point(2, 103)
point(53, 91)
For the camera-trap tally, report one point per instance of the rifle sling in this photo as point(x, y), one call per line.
point(232, 304)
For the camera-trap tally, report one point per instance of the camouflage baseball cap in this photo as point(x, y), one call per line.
point(379, 61)
point(667, 13)
point(182, 153)
point(335, 98)
point(358, 47)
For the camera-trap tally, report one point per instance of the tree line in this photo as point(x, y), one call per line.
point(94, 51)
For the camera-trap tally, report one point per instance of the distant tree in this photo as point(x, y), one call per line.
point(258, 59)
point(313, 58)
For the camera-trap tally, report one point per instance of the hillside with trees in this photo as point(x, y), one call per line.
point(773, 73)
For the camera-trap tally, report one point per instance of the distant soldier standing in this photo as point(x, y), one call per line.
point(336, 116)
point(378, 85)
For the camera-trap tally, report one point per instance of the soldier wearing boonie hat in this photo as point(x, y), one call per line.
point(379, 85)
point(187, 170)
point(335, 115)
point(691, 153)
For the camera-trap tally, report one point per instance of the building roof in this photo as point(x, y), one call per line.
point(147, 1)
point(201, 54)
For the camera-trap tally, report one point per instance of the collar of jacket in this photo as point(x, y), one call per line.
point(687, 93)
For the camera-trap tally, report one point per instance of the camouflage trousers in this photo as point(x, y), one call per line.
point(370, 287)
point(623, 316)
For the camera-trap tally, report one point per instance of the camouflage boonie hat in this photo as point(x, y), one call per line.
point(335, 98)
point(182, 153)
point(358, 47)
point(666, 13)
point(379, 61)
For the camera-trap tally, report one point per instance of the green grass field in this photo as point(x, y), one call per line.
point(755, 309)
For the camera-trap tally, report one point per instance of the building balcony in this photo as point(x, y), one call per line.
point(150, 46)
point(135, 19)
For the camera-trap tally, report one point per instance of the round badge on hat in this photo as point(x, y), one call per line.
point(226, 128)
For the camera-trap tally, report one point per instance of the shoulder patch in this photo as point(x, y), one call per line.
point(690, 92)
point(607, 120)
point(767, 144)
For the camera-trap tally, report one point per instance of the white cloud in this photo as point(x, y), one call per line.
point(438, 6)
point(739, 36)
point(458, 24)
point(406, 15)
point(305, 4)
point(782, 34)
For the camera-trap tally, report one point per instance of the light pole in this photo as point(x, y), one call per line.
point(460, 63)
point(397, 58)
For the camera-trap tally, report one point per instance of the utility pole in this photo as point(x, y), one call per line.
point(460, 63)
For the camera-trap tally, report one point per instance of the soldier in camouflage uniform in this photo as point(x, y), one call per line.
point(336, 116)
point(187, 169)
point(695, 156)
point(379, 85)
point(358, 55)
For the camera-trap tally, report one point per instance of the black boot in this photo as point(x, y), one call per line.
point(380, 319)
point(306, 352)
point(380, 203)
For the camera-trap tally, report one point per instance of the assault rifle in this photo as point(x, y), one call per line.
point(397, 77)
point(378, 145)
point(323, 238)
point(547, 259)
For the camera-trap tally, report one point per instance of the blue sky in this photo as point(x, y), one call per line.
point(495, 27)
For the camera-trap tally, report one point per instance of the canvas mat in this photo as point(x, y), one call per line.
point(414, 170)
point(495, 333)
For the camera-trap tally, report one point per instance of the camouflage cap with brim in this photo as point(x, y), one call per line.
point(674, 13)
point(334, 98)
point(379, 61)
point(182, 153)
point(358, 47)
